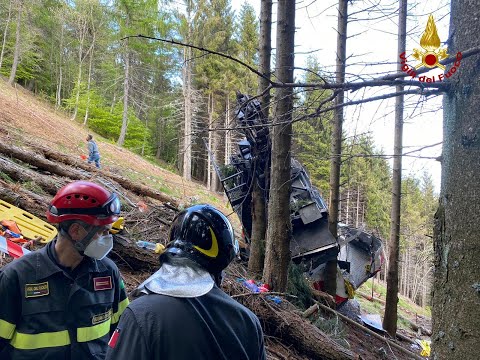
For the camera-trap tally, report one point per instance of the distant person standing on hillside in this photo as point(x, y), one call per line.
point(93, 154)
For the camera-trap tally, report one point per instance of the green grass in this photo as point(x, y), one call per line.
point(160, 163)
point(370, 307)
point(405, 306)
point(378, 288)
point(167, 191)
point(33, 187)
point(150, 181)
point(6, 178)
point(334, 328)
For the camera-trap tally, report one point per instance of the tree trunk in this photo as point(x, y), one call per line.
point(347, 210)
point(456, 295)
point(123, 130)
point(301, 335)
point(144, 137)
point(23, 175)
point(210, 135)
point(16, 53)
point(265, 53)
point(257, 238)
point(220, 140)
point(228, 140)
point(336, 146)
point(214, 149)
point(401, 282)
point(24, 199)
point(403, 285)
point(38, 161)
point(82, 29)
point(425, 283)
point(160, 125)
point(89, 80)
point(390, 317)
point(113, 102)
point(88, 87)
point(277, 254)
point(357, 224)
point(259, 214)
point(187, 96)
point(5, 32)
point(58, 95)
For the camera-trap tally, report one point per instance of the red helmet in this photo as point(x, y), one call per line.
point(85, 201)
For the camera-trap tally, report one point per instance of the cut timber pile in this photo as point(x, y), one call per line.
point(68, 169)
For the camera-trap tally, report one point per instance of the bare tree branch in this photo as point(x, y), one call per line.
point(175, 42)
point(386, 80)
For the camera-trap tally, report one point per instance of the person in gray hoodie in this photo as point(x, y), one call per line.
point(93, 154)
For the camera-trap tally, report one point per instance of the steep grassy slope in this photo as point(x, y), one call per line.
point(26, 117)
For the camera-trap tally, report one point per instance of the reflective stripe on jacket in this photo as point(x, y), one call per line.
point(47, 312)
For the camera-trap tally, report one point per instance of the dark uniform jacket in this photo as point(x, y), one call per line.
point(212, 326)
point(49, 312)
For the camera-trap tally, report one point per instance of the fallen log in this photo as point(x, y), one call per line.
point(302, 335)
point(38, 161)
point(370, 332)
point(22, 174)
point(139, 189)
point(405, 338)
point(125, 251)
point(416, 327)
point(22, 198)
point(279, 321)
point(370, 298)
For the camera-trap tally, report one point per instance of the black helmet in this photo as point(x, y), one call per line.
point(204, 235)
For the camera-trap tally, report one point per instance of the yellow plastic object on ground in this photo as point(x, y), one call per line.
point(117, 226)
point(159, 248)
point(425, 344)
point(30, 225)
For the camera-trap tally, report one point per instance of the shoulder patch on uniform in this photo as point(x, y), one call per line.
point(113, 340)
point(97, 319)
point(36, 290)
point(102, 283)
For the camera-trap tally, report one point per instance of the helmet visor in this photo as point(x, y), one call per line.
point(112, 206)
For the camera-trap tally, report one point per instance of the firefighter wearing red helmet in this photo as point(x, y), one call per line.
point(182, 313)
point(64, 300)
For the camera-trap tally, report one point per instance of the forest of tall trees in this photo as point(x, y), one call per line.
point(166, 102)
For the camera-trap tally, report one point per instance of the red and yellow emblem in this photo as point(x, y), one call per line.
point(430, 42)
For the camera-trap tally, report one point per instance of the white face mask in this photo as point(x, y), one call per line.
point(99, 248)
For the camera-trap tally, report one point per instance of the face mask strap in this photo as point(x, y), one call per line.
point(81, 245)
